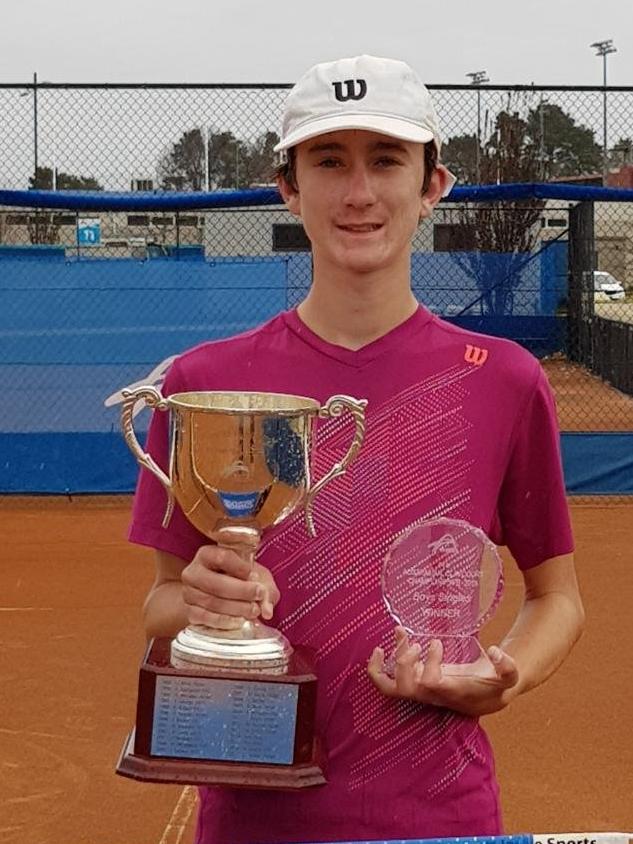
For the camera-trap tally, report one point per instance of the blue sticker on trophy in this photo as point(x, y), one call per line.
point(239, 504)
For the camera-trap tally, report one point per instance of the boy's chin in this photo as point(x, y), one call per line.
point(362, 264)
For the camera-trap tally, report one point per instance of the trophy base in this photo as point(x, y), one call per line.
point(207, 725)
point(207, 773)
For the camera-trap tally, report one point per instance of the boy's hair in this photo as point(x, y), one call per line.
point(287, 169)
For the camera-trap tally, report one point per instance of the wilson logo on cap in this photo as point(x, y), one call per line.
point(351, 93)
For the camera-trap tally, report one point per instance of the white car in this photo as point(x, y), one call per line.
point(606, 287)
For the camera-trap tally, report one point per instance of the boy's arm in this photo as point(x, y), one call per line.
point(549, 623)
point(164, 611)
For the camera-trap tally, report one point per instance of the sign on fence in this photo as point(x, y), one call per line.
point(88, 231)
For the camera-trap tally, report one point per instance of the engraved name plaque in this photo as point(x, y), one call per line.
point(204, 718)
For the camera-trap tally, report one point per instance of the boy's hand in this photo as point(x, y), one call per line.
point(221, 590)
point(425, 682)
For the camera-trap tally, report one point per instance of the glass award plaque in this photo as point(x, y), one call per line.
point(443, 579)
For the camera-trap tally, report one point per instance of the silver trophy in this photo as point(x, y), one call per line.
point(239, 463)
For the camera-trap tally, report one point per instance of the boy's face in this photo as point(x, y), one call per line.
point(360, 198)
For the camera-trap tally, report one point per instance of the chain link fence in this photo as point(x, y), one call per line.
point(122, 137)
point(91, 301)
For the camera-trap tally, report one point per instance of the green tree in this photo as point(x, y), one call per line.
point(459, 154)
point(43, 180)
point(564, 148)
point(181, 168)
point(260, 159)
point(228, 160)
point(551, 144)
point(233, 163)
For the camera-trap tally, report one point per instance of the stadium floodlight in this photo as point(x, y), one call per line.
point(604, 48)
point(477, 78)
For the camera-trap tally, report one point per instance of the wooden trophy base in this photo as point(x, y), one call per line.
point(203, 726)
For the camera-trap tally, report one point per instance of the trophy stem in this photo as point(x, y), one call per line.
point(242, 539)
point(251, 647)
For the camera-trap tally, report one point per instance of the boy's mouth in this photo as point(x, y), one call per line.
point(360, 228)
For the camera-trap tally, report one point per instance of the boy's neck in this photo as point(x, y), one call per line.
point(356, 310)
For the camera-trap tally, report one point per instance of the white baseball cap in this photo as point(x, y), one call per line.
point(364, 92)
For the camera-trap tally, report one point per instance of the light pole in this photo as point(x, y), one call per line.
point(35, 139)
point(478, 78)
point(603, 48)
point(206, 157)
point(541, 152)
point(36, 163)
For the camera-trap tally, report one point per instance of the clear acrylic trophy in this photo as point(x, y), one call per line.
point(442, 579)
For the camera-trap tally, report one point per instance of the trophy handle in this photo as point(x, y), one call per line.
point(155, 400)
point(335, 406)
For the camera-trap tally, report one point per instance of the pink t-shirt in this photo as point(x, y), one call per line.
point(458, 424)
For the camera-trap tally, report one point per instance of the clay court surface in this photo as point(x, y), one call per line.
point(71, 590)
point(584, 401)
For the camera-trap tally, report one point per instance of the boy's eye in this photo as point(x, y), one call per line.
point(387, 161)
point(329, 162)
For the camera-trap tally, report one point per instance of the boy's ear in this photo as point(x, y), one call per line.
point(290, 196)
point(434, 192)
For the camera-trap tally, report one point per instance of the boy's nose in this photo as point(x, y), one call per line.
point(360, 190)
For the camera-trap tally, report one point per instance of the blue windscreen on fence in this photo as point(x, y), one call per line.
point(74, 332)
point(95, 462)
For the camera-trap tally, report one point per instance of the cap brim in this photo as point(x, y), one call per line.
point(392, 126)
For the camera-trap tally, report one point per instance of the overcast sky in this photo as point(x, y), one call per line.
point(540, 41)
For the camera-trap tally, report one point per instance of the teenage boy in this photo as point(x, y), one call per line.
point(458, 424)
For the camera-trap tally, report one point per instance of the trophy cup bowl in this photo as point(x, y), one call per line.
point(238, 464)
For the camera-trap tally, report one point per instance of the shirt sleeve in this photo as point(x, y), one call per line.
point(150, 500)
point(533, 512)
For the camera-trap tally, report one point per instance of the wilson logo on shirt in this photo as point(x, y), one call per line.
point(475, 355)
